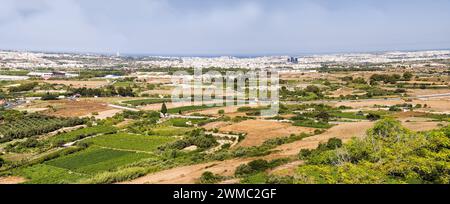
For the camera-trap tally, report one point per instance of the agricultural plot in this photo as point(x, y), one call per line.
point(123, 84)
point(81, 133)
point(143, 102)
point(95, 160)
point(170, 131)
point(349, 115)
point(184, 122)
point(131, 142)
point(46, 174)
point(259, 131)
point(71, 108)
point(33, 125)
point(78, 84)
point(189, 108)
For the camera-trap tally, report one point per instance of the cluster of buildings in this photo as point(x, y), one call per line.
point(32, 60)
point(54, 75)
point(378, 58)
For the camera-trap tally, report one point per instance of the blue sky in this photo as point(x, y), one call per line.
point(224, 27)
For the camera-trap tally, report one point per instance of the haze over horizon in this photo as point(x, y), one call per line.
point(247, 27)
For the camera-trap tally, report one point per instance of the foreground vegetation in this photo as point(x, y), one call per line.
point(389, 154)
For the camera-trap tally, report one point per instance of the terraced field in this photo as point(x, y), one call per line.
point(81, 133)
point(43, 173)
point(108, 152)
point(95, 160)
point(131, 142)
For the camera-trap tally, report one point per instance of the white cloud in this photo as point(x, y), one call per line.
point(216, 27)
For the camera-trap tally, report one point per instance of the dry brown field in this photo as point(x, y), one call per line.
point(259, 131)
point(78, 84)
point(71, 108)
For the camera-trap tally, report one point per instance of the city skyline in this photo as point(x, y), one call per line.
point(237, 28)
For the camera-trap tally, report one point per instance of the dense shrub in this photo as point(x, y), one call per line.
point(23, 87)
point(243, 170)
point(49, 97)
point(196, 137)
point(209, 178)
point(389, 154)
point(259, 165)
point(373, 117)
point(28, 125)
point(252, 167)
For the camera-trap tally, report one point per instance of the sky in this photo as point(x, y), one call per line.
point(224, 27)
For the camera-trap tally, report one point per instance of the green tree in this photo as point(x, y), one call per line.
point(323, 116)
point(209, 178)
point(313, 89)
point(373, 117)
point(2, 162)
point(164, 109)
point(407, 76)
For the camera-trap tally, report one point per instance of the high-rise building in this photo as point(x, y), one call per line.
point(293, 60)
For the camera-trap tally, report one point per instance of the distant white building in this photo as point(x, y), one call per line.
point(112, 77)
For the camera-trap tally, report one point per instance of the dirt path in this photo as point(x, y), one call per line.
point(12, 180)
point(190, 174)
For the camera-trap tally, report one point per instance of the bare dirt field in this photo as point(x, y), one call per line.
point(69, 108)
point(440, 105)
point(105, 114)
point(189, 174)
point(424, 92)
point(344, 132)
point(368, 104)
point(12, 180)
point(78, 84)
point(259, 131)
point(213, 125)
point(158, 92)
point(422, 126)
point(152, 80)
point(215, 111)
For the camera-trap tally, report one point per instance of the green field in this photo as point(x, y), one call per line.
point(95, 160)
point(81, 133)
point(133, 142)
point(143, 102)
point(123, 84)
point(181, 122)
point(170, 131)
point(189, 108)
point(349, 115)
point(46, 174)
